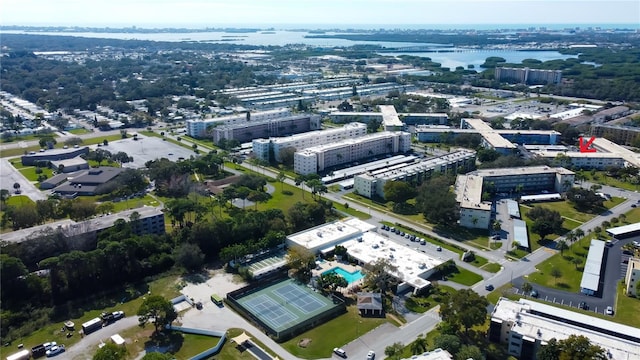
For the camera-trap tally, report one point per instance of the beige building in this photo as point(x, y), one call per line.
point(476, 213)
point(632, 278)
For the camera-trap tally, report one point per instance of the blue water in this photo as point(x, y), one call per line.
point(350, 277)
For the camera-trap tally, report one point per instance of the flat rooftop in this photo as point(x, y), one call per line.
point(621, 230)
point(469, 192)
point(370, 166)
point(328, 132)
point(534, 321)
point(325, 235)
point(412, 265)
point(390, 116)
point(408, 169)
point(345, 142)
point(520, 234)
point(593, 265)
point(522, 171)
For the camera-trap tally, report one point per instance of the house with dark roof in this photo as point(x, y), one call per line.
point(86, 182)
point(370, 304)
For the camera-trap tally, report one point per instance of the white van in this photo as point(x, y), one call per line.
point(340, 352)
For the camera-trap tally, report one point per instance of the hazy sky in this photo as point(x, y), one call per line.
point(201, 13)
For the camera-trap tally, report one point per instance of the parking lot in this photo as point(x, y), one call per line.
point(148, 148)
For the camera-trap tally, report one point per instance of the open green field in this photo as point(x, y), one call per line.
point(567, 225)
point(18, 200)
point(571, 272)
point(600, 177)
point(30, 173)
point(343, 329)
point(19, 138)
point(464, 277)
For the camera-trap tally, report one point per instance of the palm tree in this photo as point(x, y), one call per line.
point(419, 345)
point(580, 233)
point(526, 288)
point(562, 245)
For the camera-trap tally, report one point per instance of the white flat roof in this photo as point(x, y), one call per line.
point(541, 197)
point(411, 264)
point(324, 235)
point(390, 116)
point(621, 230)
point(540, 325)
point(591, 273)
point(513, 208)
point(520, 234)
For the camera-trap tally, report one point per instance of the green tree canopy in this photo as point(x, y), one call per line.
point(465, 308)
point(575, 347)
point(301, 261)
point(399, 191)
point(436, 201)
point(157, 309)
point(110, 351)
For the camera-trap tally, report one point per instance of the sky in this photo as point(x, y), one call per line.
point(221, 13)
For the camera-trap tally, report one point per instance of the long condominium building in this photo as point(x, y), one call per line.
point(525, 326)
point(607, 154)
point(281, 126)
point(203, 128)
point(265, 148)
point(528, 76)
point(623, 135)
point(371, 184)
point(476, 213)
point(318, 158)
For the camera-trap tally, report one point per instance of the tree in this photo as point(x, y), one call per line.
point(419, 345)
point(105, 142)
point(110, 351)
point(469, 352)
point(378, 275)
point(496, 225)
point(16, 187)
point(576, 261)
point(526, 288)
point(584, 200)
point(301, 261)
point(465, 308)
point(4, 195)
point(436, 202)
point(545, 221)
point(281, 178)
point(562, 246)
point(575, 347)
point(189, 256)
point(448, 342)
point(105, 207)
point(158, 310)
point(73, 141)
point(394, 351)
point(47, 142)
point(556, 273)
point(331, 282)
point(398, 191)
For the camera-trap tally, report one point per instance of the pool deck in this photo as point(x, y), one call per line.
point(328, 265)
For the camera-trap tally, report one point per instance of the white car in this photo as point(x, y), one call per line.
point(371, 355)
point(49, 345)
point(58, 349)
point(609, 310)
point(340, 352)
point(118, 315)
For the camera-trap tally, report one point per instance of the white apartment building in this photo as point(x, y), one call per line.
point(197, 128)
point(319, 158)
point(262, 147)
point(371, 184)
point(526, 325)
point(528, 76)
point(475, 213)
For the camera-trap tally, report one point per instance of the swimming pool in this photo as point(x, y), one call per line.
point(350, 277)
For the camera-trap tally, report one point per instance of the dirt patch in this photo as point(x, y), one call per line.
point(303, 343)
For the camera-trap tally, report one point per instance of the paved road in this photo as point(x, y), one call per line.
point(85, 348)
point(66, 135)
point(9, 176)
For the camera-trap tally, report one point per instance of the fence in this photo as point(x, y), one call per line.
point(214, 350)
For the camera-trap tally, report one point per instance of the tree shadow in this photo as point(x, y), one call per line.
point(196, 278)
point(563, 285)
point(164, 341)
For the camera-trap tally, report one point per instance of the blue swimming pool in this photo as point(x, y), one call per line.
point(350, 277)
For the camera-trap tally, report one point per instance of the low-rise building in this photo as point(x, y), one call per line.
point(319, 158)
point(265, 148)
point(525, 326)
point(619, 134)
point(371, 184)
point(436, 354)
point(53, 155)
point(87, 182)
point(632, 277)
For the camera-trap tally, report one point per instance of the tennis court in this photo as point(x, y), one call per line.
point(287, 304)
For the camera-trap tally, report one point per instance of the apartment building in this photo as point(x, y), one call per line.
point(528, 76)
point(525, 326)
point(406, 118)
point(262, 148)
point(201, 128)
point(622, 135)
point(319, 158)
point(281, 126)
point(632, 277)
point(371, 184)
point(476, 213)
point(578, 160)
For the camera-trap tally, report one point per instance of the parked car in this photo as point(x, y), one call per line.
point(609, 310)
point(58, 349)
point(340, 352)
point(489, 287)
point(534, 293)
point(583, 305)
point(117, 315)
point(371, 355)
point(439, 248)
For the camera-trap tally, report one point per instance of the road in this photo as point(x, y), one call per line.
point(66, 135)
point(9, 176)
point(86, 347)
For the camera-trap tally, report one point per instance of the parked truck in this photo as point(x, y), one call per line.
point(20, 355)
point(92, 325)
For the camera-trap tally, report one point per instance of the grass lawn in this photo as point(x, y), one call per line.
point(91, 141)
point(568, 224)
point(491, 267)
point(633, 216)
point(437, 294)
point(79, 131)
point(571, 273)
point(16, 139)
point(230, 351)
point(352, 212)
point(193, 344)
point(100, 139)
point(19, 200)
point(464, 277)
point(166, 286)
point(204, 143)
point(343, 329)
point(505, 290)
point(599, 177)
point(30, 173)
point(135, 203)
point(627, 308)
